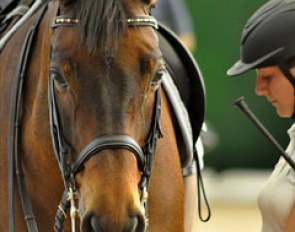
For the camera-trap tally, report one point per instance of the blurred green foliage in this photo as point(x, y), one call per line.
point(218, 26)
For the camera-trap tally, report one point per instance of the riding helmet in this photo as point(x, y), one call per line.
point(268, 37)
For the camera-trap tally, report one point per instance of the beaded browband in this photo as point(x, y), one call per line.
point(140, 20)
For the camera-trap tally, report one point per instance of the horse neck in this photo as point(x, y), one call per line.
point(36, 138)
point(39, 163)
point(35, 142)
point(166, 178)
point(35, 118)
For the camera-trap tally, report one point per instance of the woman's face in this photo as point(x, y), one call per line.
point(278, 90)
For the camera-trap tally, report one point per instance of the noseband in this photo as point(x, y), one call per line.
point(144, 155)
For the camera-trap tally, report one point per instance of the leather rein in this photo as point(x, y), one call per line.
point(144, 155)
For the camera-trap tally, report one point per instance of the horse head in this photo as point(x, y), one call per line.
point(105, 71)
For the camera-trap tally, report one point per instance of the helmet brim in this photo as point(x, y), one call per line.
point(240, 67)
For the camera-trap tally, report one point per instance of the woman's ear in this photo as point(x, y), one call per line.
point(292, 70)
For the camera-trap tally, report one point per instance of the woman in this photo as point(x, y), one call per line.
point(268, 45)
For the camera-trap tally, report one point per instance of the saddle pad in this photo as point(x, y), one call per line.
point(184, 130)
point(186, 75)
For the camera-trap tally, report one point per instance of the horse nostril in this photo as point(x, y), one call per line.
point(92, 223)
point(136, 224)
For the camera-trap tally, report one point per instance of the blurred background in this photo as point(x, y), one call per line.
point(240, 159)
point(218, 26)
point(237, 167)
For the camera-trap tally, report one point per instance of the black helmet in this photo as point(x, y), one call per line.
point(268, 38)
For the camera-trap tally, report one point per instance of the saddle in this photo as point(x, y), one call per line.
point(188, 80)
point(186, 75)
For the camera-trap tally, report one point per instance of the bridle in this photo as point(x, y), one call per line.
point(144, 155)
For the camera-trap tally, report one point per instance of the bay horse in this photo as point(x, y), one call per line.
point(81, 111)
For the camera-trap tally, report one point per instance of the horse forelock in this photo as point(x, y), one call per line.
point(100, 23)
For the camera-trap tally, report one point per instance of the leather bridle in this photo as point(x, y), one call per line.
point(144, 155)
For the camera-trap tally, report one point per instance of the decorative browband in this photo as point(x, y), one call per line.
point(64, 21)
point(141, 20)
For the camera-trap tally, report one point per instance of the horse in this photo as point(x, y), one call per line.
point(85, 124)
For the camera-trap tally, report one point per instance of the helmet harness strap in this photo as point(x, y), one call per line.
point(285, 70)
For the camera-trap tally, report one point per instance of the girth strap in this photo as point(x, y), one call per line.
point(108, 142)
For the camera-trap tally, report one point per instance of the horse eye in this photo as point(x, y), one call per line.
point(59, 79)
point(158, 77)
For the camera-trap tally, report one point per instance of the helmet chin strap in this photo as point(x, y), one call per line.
point(285, 70)
point(293, 115)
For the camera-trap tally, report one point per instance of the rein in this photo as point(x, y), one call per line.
point(14, 156)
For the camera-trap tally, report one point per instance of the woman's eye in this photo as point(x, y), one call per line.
point(158, 77)
point(59, 79)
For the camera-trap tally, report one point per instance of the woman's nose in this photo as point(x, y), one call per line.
point(260, 87)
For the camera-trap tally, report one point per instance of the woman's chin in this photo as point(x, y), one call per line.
point(285, 113)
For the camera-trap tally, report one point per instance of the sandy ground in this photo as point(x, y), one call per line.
point(233, 195)
point(232, 218)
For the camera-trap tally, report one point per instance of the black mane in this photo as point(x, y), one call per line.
point(100, 20)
